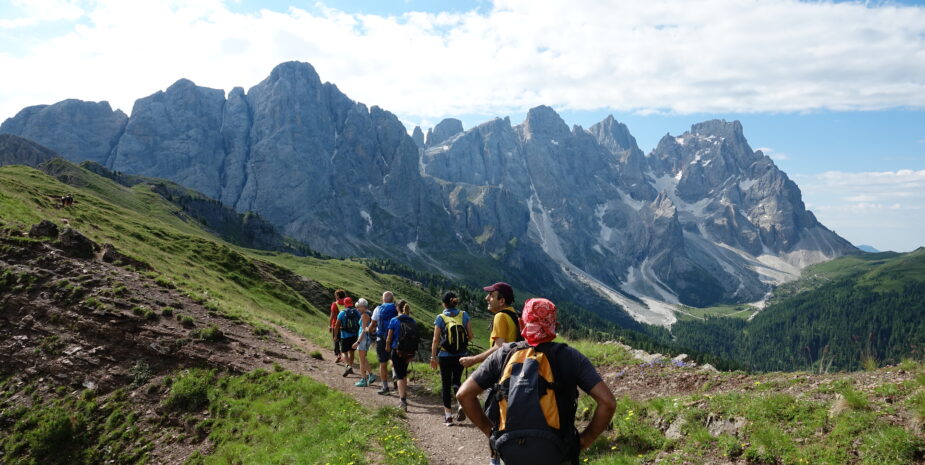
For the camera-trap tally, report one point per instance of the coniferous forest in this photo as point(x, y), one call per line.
point(873, 315)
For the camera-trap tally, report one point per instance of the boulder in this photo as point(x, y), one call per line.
point(76, 244)
point(44, 229)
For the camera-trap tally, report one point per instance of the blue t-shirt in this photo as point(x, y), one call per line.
point(395, 327)
point(442, 325)
point(342, 318)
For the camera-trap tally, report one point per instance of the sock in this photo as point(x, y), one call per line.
point(385, 385)
point(404, 399)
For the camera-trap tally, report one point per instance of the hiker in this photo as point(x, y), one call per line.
point(452, 333)
point(363, 343)
point(382, 316)
point(403, 340)
point(336, 307)
point(533, 397)
point(504, 325)
point(347, 329)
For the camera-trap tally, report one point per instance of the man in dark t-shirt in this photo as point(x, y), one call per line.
point(573, 369)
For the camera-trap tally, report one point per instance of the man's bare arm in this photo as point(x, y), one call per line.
point(469, 361)
point(467, 396)
point(603, 412)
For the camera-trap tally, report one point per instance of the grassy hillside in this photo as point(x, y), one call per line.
point(668, 413)
point(854, 312)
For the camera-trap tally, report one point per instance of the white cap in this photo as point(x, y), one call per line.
point(362, 303)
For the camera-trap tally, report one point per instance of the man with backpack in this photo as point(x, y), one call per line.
point(504, 324)
point(347, 329)
point(403, 339)
point(382, 317)
point(452, 332)
point(336, 307)
point(529, 416)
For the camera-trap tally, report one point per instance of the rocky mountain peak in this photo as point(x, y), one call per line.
point(444, 130)
point(544, 122)
point(294, 71)
point(75, 129)
point(718, 128)
point(417, 135)
point(614, 135)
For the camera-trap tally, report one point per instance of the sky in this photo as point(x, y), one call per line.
point(833, 91)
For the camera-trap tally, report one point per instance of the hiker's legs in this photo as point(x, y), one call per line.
point(400, 368)
point(457, 375)
point(446, 380)
point(346, 350)
point(364, 364)
point(337, 355)
point(383, 355)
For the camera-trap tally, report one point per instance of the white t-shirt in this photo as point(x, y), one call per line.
point(375, 318)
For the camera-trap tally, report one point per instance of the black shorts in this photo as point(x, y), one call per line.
point(380, 350)
point(399, 366)
point(346, 344)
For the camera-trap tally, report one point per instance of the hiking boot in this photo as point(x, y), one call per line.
point(348, 371)
point(447, 419)
point(383, 392)
point(361, 383)
point(395, 384)
point(372, 379)
point(403, 404)
point(460, 414)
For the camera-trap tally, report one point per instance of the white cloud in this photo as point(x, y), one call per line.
point(650, 56)
point(40, 11)
point(885, 208)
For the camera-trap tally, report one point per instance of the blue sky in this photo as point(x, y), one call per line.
point(833, 91)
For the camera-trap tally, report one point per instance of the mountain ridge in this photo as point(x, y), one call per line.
point(558, 210)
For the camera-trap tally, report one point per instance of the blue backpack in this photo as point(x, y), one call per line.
point(387, 311)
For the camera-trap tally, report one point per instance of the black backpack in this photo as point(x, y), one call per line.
point(455, 338)
point(351, 322)
point(408, 338)
point(523, 433)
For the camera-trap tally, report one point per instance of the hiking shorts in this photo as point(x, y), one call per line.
point(381, 351)
point(346, 344)
point(399, 366)
point(365, 342)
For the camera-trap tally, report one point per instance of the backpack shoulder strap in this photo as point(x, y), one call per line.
point(515, 319)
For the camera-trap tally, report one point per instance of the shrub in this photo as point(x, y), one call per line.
point(186, 320)
point(54, 437)
point(211, 334)
point(164, 282)
point(190, 391)
point(855, 399)
point(316, 355)
point(141, 373)
point(139, 310)
point(891, 445)
point(167, 312)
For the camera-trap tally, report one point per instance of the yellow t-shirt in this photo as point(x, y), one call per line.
point(504, 327)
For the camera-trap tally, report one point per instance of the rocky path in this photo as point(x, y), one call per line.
point(461, 443)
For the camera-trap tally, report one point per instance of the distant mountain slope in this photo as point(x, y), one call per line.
point(15, 150)
point(564, 212)
point(865, 308)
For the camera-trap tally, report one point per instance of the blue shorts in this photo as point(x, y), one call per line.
point(365, 342)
